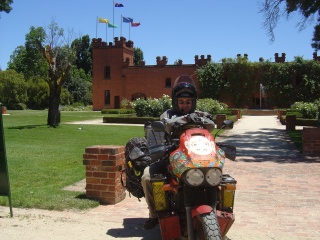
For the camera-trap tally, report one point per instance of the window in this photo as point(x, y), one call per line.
point(107, 73)
point(168, 82)
point(107, 97)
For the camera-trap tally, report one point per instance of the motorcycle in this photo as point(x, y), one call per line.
point(194, 199)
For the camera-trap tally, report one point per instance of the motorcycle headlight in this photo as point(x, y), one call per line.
point(214, 176)
point(194, 177)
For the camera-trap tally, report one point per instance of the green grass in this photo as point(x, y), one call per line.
point(296, 137)
point(43, 160)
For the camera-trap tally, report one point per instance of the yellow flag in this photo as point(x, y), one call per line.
point(103, 20)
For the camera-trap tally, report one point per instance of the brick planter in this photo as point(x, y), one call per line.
point(4, 110)
point(311, 141)
point(290, 122)
point(103, 178)
point(281, 113)
point(219, 119)
point(236, 112)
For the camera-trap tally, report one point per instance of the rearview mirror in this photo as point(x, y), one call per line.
point(227, 124)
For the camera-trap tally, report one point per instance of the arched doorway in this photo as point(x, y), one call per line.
point(137, 95)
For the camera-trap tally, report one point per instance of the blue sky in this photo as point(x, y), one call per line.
point(178, 29)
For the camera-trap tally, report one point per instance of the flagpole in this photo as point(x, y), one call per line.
point(129, 29)
point(97, 27)
point(121, 27)
point(106, 33)
point(113, 21)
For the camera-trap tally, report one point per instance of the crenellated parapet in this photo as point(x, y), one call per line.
point(281, 59)
point(179, 62)
point(202, 61)
point(97, 43)
point(118, 43)
point(162, 62)
point(122, 42)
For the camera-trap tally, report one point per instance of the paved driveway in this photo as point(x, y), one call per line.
point(278, 190)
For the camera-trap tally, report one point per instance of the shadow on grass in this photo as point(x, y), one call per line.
point(28, 127)
point(83, 196)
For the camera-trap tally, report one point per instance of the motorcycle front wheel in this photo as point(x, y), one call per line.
point(206, 227)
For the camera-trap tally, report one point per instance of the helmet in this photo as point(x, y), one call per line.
point(183, 87)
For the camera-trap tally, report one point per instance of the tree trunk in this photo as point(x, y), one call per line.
point(54, 107)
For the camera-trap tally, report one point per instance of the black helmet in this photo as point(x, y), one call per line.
point(183, 87)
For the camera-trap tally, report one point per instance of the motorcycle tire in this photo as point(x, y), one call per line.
point(206, 227)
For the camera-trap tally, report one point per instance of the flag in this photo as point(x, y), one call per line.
point(127, 19)
point(112, 25)
point(135, 24)
point(118, 4)
point(103, 20)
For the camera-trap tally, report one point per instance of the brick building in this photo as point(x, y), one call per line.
point(116, 78)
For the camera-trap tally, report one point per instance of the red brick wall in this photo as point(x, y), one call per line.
point(127, 79)
point(103, 178)
point(311, 141)
point(219, 120)
point(291, 122)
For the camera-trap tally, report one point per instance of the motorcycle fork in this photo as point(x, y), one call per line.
point(188, 205)
point(211, 197)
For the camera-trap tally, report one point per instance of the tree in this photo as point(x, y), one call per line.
point(210, 80)
point(310, 11)
point(79, 85)
point(13, 88)
point(83, 50)
point(137, 56)
point(49, 56)
point(38, 92)
point(59, 57)
point(27, 59)
point(5, 5)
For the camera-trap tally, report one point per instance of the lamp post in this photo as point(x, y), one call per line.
point(318, 123)
point(260, 96)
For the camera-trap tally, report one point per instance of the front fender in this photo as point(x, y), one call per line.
point(201, 210)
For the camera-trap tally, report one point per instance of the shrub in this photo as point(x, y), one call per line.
point(139, 106)
point(211, 106)
point(155, 107)
point(151, 107)
point(308, 110)
point(125, 103)
point(117, 111)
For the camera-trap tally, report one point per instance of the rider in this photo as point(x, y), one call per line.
point(184, 99)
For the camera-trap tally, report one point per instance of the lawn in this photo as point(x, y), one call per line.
point(43, 160)
point(296, 138)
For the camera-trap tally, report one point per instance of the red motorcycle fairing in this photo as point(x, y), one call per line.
point(197, 149)
point(201, 210)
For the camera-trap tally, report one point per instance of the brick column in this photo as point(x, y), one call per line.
point(291, 122)
point(311, 141)
point(103, 178)
point(281, 113)
point(236, 112)
point(219, 119)
point(3, 109)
